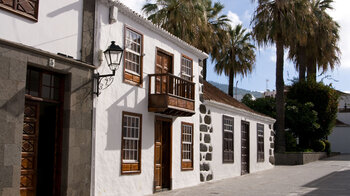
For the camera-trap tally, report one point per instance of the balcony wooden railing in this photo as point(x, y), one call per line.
point(172, 95)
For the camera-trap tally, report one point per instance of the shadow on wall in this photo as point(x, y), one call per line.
point(12, 105)
point(78, 7)
point(336, 183)
point(115, 118)
point(73, 6)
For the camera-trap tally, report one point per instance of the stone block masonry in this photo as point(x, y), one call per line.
point(77, 117)
point(206, 130)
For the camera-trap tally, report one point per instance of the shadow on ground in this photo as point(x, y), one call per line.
point(335, 184)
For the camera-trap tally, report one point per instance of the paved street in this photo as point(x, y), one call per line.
point(329, 177)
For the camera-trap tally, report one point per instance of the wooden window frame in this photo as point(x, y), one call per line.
point(260, 152)
point(127, 168)
point(41, 72)
point(233, 139)
point(184, 164)
point(128, 77)
point(188, 58)
point(20, 13)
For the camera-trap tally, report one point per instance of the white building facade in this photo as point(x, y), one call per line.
point(53, 26)
point(146, 126)
point(237, 139)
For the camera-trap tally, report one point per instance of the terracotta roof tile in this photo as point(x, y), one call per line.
point(214, 94)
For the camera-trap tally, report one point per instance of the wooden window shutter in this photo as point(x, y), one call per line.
point(26, 8)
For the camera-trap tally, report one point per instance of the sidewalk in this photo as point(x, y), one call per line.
point(329, 177)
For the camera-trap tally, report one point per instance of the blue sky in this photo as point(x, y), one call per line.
point(240, 11)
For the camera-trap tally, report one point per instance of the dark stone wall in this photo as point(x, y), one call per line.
point(206, 130)
point(77, 122)
point(87, 42)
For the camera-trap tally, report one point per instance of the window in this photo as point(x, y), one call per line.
point(228, 153)
point(131, 143)
point(133, 56)
point(186, 68)
point(43, 84)
point(26, 8)
point(260, 130)
point(187, 146)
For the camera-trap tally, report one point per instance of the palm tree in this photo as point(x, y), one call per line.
point(276, 22)
point(321, 50)
point(237, 55)
point(197, 22)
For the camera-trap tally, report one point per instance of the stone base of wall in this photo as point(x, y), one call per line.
point(298, 158)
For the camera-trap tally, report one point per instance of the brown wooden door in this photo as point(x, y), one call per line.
point(158, 156)
point(29, 149)
point(244, 148)
point(163, 65)
point(162, 155)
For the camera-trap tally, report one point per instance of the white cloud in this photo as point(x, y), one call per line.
point(135, 5)
point(234, 19)
point(341, 14)
point(247, 15)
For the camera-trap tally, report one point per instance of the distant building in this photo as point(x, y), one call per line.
point(269, 93)
point(272, 94)
point(340, 136)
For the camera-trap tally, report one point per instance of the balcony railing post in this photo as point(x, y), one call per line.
point(167, 84)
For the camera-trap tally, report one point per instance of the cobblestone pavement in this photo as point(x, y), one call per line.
point(328, 177)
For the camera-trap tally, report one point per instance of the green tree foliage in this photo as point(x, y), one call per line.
point(301, 120)
point(316, 105)
point(311, 109)
point(265, 105)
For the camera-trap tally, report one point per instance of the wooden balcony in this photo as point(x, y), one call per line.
point(171, 95)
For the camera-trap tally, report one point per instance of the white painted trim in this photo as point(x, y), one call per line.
point(241, 112)
point(157, 29)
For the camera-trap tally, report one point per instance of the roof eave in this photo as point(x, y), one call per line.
point(239, 111)
point(148, 24)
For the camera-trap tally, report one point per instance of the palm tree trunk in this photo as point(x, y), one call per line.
point(205, 69)
point(280, 132)
point(230, 83)
point(302, 71)
point(311, 70)
point(302, 64)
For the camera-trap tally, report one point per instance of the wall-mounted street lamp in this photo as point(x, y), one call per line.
point(113, 54)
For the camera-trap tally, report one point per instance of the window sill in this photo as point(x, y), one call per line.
point(131, 172)
point(187, 169)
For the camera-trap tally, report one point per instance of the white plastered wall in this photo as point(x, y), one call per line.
point(226, 170)
point(119, 97)
point(58, 29)
point(340, 139)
